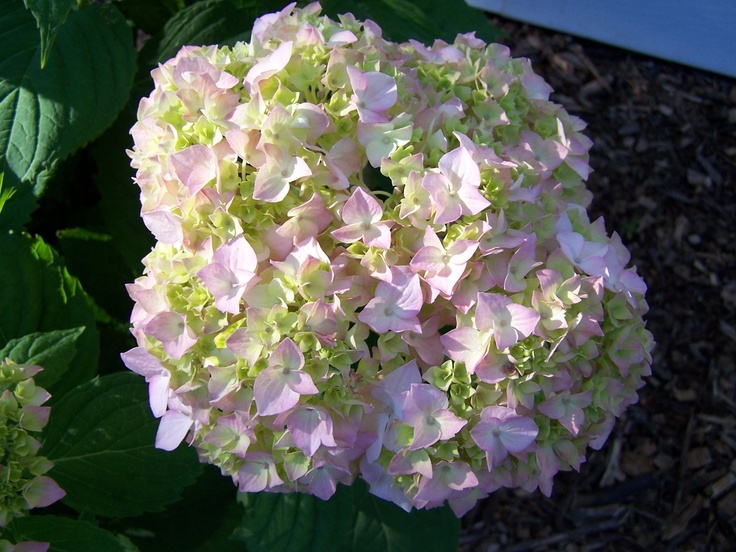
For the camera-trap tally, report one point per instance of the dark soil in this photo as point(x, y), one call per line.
point(665, 179)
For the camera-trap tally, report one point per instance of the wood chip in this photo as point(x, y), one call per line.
point(685, 395)
point(699, 457)
point(724, 484)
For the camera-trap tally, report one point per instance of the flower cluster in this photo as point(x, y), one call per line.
point(373, 259)
point(23, 485)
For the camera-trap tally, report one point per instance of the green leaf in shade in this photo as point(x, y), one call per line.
point(296, 522)
point(382, 526)
point(120, 203)
point(424, 21)
point(46, 114)
point(150, 15)
point(94, 259)
point(53, 351)
point(100, 438)
point(50, 15)
point(39, 295)
point(64, 534)
point(352, 519)
point(208, 528)
point(222, 22)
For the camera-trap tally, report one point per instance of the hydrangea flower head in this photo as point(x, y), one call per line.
point(374, 261)
point(23, 485)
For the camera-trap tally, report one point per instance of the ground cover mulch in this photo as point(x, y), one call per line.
point(665, 179)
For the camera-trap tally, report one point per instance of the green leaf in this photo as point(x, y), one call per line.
point(296, 522)
point(45, 115)
point(65, 535)
point(382, 526)
point(424, 21)
point(100, 438)
point(95, 260)
point(222, 22)
point(6, 194)
point(50, 15)
point(352, 519)
point(208, 529)
point(120, 203)
point(39, 295)
point(53, 351)
point(149, 15)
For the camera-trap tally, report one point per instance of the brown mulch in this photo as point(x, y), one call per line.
point(665, 179)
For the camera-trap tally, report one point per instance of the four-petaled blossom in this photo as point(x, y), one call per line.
point(567, 408)
point(362, 215)
point(454, 190)
point(374, 93)
point(278, 171)
point(395, 305)
point(497, 317)
point(230, 274)
point(500, 431)
point(443, 267)
point(278, 387)
point(425, 409)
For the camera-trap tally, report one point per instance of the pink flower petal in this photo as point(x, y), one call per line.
point(172, 430)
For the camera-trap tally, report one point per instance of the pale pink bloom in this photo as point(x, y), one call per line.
point(310, 427)
point(172, 429)
point(447, 478)
point(320, 319)
point(341, 38)
point(267, 67)
point(477, 279)
point(374, 93)
point(382, 484)
point(307, 220)
point(426, 410)
point(145, 364)
point(195, 167)
point(42, 491)
point(275, 175)
point(278, 387)
point(500, 431)
point(427, 342)
point(454, 189)
point(408, 462)
point(586, 255)
point(308, 122)
point(362, 214)
point(380, 140)
point(230, 274)
point(395, 305)
point(244, 144)
point(467, 345)
point(416, 203)
point(497, 237)
point(390, 392)
point(523, 260)
point(508, 321)
point(171, 329)
point(438, 55)
point(497, 317)
point(567, 409)
point(232, 433)
point(442, 267)
point(258, 473)
point(164, 225)
point(543, 156)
